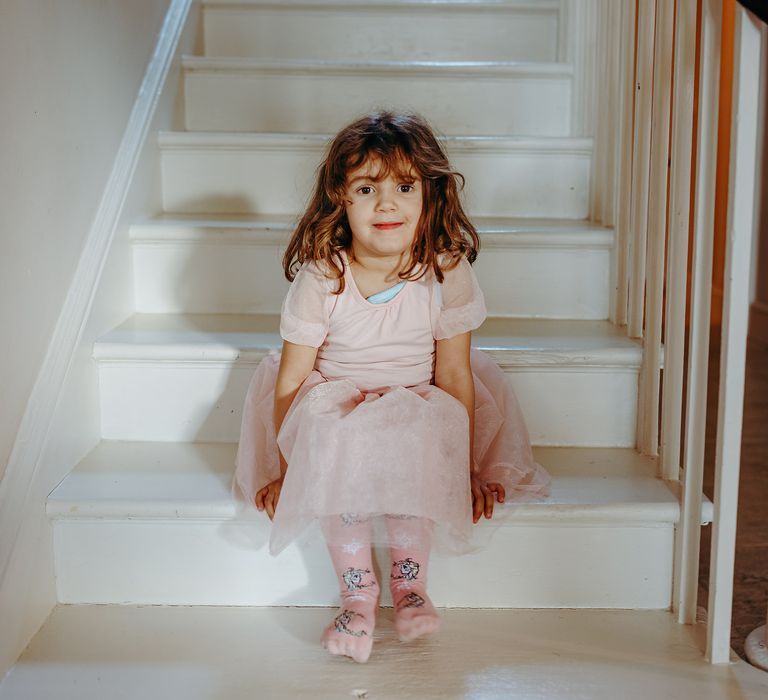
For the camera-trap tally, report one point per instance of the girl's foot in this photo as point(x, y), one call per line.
point(351, 631)
point(349, 542)
point(415, 616)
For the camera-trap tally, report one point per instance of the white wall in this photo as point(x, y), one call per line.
point(69, 74)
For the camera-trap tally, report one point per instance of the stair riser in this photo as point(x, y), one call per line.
point(201, 401)
point(242, 179)
point(323, 102)
point(207, 276)
point(227, 563)
point(459, 34)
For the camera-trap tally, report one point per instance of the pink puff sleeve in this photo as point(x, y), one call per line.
point(458, 304)
point(307, 307)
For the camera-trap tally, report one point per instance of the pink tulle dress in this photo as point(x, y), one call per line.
point(368, 434)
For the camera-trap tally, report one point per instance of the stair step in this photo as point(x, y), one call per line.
point(544, 268)
point(245, 94)
point(267, 173)
point(363, 29)
point(91, 652)
point(184, 377)
point(604, 537)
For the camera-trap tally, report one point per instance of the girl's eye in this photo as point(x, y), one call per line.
point(406, 188)
point(365, 189)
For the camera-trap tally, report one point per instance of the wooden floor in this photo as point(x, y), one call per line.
point(751, 566)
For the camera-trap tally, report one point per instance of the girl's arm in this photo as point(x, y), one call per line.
point(453, 374)
point(296, 363)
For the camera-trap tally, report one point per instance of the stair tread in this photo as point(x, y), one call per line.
point(233, 336)
point(193, 480)
point(97, 651)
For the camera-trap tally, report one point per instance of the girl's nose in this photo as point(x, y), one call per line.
point(385, 201)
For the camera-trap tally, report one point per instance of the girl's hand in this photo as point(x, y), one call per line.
point(482, 497)
point(268, 496)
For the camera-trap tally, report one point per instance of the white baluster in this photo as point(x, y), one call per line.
point(685, 581)
point(650, 371)
point(739, 233)
point(622, 249)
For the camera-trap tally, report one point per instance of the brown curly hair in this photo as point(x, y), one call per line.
point(403, 143)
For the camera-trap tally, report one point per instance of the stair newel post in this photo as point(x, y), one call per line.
point(685, 579)
point(641, 155)
point(619, 298)
point(650, 371)
point(733, 345)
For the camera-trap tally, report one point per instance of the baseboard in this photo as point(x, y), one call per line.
point(61, 420)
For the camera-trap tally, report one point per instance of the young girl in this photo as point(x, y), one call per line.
point(377, 419)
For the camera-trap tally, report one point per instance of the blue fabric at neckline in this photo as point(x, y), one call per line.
point(386, 295)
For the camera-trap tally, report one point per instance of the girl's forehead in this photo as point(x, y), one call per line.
point(375, 169)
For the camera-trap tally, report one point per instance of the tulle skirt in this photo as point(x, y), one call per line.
point(402, 452)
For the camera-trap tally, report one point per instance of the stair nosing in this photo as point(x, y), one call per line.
point(218, 510)
point(240, 141)
point(541, 6)
point(244, 347)
point(474, 69)
point(276, 233)
point(661, 504)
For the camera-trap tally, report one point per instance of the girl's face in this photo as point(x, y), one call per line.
point(383, 214)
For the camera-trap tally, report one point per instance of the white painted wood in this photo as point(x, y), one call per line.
point(61, 422)
point(607, 114)
point(527, 267)
point(603, 117)
point(688, 535)
point(733, 345)
point(184, 378)
point(624, 177)
point(93, 652)
point(677, 251)
point(235, 94)
point(465, 31)
point(650, 371)
point(646, 13)
point(189, 561)
point(614, 20)
point(581, 52)
point(273, 173)
point(166, 511)
point(563, 38)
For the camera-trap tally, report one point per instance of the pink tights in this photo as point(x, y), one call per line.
point(349, 544)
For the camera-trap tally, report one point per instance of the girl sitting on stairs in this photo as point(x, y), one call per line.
point(377, 419)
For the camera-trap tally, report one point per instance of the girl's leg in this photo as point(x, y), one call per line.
point(411, 539)
point(349, 543)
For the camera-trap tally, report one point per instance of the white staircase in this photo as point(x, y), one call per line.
point(148, 517)
point(153, 499)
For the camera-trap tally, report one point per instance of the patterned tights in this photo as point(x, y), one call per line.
point(349, 544)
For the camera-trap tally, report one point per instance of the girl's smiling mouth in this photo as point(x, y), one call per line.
point(388, 225)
